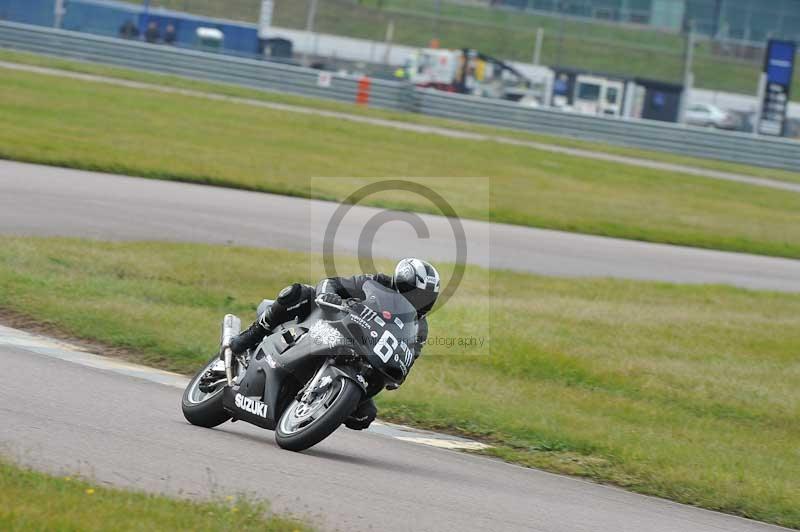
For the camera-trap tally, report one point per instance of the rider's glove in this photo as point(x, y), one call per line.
point(332, 299)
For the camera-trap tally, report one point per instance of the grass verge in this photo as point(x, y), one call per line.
point(233, 90)
point(684, 392)
point(35, 501)
point(129, 131)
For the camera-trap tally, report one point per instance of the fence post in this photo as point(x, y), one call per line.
point(310, 18)
point(762, 88)
point(537, 51)
point(688, 76)
point(387, 53)
point(58, 14)
point(265, 18)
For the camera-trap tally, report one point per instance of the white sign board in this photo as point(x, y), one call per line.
point(324, 79)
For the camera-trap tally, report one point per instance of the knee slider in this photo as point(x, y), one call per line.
point(278, 312)
point(290, 295)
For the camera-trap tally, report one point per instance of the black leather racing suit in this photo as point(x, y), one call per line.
point(297, 301)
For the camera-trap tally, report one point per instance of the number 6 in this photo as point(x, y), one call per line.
point(386, 346)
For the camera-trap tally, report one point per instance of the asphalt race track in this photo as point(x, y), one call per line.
point(40, 200)
point(128, 431)
point(125, 428)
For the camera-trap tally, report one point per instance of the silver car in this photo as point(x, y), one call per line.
point(707, 115)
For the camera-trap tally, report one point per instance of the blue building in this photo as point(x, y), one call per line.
point(107, 17)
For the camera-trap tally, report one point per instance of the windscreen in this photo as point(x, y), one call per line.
point(389, 324)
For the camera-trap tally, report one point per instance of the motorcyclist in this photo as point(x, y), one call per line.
point(416, 279)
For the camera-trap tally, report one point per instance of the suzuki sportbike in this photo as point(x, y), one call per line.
point(307, 377)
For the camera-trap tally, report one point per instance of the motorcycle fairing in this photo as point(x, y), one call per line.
point(289, 358)
point(281, 364)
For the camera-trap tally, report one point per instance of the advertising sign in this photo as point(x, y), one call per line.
point(778, 70)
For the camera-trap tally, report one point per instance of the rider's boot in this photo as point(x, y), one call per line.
point(363, 416)
point(260, 328)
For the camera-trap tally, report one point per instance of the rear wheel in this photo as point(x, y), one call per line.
point(202, 408)
point(304, 425)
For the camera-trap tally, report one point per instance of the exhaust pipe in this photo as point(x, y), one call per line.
point(231, 326)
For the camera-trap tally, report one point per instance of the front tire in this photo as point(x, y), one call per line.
point(302, 426)
point(204, 409)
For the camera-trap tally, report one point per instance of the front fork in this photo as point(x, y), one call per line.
point(326, 374)
point(306, 395)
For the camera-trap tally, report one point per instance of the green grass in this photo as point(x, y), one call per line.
point(236, 91)
point(685, 392)
point(34, 501)
point(508, 34)
point(130, 131)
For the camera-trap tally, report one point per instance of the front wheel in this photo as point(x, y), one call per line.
point(201, 408)
point(304, 425)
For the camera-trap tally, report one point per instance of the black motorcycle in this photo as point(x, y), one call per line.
point(306, 378)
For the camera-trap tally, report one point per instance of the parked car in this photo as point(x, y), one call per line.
point(707, 115)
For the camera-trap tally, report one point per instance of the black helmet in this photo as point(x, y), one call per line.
point(419, 281)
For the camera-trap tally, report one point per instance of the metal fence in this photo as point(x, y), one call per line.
point(194, 64)
point(647, 134)
point(556, 32)
point(736, 147)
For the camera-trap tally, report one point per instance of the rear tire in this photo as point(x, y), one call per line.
point(339, 407)
point(204, 410)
